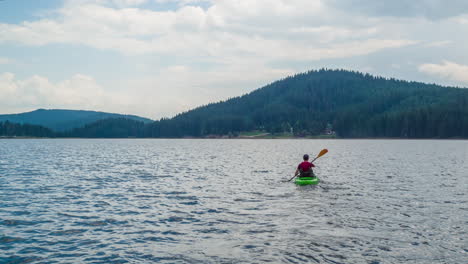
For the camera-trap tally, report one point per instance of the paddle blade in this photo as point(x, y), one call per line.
point(323, 152)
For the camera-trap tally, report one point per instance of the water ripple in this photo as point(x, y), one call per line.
point(223, 201)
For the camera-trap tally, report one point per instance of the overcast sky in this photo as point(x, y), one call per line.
point(156, 58)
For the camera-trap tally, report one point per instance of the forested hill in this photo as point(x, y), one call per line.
point(62, 120)
point(351, 103)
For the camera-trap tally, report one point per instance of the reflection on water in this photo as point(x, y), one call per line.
point(223, 201)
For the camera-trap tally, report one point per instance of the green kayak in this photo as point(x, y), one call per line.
point(307, 180)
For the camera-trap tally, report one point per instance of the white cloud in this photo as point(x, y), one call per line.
point(441, 43)
point(463, 20)
point(182, 2)
point(226, 28)
point(430, 9)
point(129, 2)
point(448, 70)
point(78, 92)
point(5, 60)
point(117, 3)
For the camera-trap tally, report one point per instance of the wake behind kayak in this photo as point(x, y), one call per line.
point(307, 181)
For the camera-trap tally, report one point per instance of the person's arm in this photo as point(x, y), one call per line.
point(297, 170)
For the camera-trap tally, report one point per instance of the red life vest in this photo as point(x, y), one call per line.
point(305, 166)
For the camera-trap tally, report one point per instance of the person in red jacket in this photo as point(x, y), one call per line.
point(305, 168)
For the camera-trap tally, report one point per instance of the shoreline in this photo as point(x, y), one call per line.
point(237, 138)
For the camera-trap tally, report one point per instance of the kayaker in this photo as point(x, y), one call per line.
point(305, 168)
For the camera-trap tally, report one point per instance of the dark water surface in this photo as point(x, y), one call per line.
point(222, 201)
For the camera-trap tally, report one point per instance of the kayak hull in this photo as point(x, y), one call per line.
point(307, 181)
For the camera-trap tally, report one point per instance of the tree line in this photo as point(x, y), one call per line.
point(9, 129)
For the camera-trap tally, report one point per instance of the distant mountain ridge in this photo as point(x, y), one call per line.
point(63, 120)
point(350, 104)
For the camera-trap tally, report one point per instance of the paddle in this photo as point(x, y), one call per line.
point(322, 152)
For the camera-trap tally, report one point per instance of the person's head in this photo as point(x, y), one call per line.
point(306, 157)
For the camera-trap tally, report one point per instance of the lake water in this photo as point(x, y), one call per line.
point(223, 201)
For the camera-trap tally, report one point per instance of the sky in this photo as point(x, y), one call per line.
point(157, 58)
